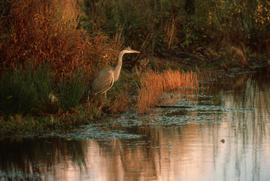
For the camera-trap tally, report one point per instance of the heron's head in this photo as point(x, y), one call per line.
point(129, 50)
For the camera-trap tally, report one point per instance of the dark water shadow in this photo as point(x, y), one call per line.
point(35, 158)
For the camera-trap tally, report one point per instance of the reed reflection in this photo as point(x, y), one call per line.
point(39, 159)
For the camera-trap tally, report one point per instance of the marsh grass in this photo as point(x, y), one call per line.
point(71, 91)
point(28, 89)
point(25, 103)
point(154, 84)
point(25, 90)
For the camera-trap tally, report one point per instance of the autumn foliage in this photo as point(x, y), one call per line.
point(47, 60)
point(40, 31)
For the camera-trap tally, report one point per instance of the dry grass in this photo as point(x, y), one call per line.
point(154, 84)
point(119, 104)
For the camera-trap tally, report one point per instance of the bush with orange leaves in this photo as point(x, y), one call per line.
point(154, 84)
point(40, 31)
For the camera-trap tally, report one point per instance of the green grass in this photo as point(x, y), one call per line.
point(37, 125)
point(72, 91)
point(26, 105)
point(25, 90)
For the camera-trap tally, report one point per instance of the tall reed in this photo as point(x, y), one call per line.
point(154, 84)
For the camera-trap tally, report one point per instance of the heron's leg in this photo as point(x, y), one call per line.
point(88, 95)
point(105, 95)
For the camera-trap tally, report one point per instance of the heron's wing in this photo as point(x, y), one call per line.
point(103, 81)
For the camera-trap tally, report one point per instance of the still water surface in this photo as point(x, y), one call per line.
point(219, 132)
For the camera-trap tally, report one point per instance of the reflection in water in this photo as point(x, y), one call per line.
point(35, 159)
point(223, 134)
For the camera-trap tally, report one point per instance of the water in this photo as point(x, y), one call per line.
point(220, 133)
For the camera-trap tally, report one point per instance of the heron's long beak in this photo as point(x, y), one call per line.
point(135, 51)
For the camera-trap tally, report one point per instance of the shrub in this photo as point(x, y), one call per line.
point(25, 90)
point(150, 25)
point(39, 31)
point(158, 27)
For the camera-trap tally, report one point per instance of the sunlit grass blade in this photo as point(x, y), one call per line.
point(154, 84)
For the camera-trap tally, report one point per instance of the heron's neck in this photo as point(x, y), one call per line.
point(118, 66)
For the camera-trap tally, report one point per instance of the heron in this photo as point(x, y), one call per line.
point(105, 79)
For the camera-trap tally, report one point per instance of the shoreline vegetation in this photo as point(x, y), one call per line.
point(154, 85)
point(50, 51)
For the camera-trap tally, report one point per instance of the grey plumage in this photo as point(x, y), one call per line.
point(105, 79)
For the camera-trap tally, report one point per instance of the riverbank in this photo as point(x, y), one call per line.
point(51, 51)
point(227, 118)
point(125, 95)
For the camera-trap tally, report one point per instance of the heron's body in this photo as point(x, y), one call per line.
point(105, 79)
